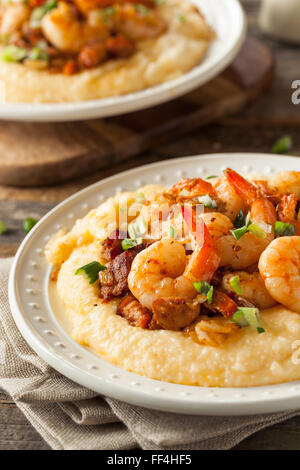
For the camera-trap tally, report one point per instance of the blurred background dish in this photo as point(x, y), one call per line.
point(228, 21)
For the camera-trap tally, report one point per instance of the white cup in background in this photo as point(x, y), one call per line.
point(281, 19)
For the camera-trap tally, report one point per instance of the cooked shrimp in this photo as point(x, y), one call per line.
point(218, 189)
point(233, 203)
point(136, 21)
point(66, 32)
point(287, 211)
point(163, 270)
point(193, 186)
point(252, 286)
point(12, 18)
point(239, 254)
point(279, 266)
point(287, 182)
point(87, 5)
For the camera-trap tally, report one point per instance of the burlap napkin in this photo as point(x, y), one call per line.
point(69, 416)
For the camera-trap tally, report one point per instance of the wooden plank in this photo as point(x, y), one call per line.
point(69, 150)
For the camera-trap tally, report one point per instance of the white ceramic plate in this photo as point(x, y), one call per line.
point(227, 19)
point(41, 319)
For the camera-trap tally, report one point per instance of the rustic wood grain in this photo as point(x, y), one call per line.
point(68, 150)
point(255, 129)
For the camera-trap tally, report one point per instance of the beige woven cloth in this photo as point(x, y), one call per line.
point(69, 416)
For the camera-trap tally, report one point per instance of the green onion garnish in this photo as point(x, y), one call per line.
point(282, 229)
point(14, 54)
point(260, 330)
point(38, 13)
point(3, 228)
point(211, 177)
point(205, 289)
point(28, 224)
point(240, 220)
point(207, 201)
point(38, 54)
point(137, 229)
point(246, 316)
point(235, 284)
point(239, 318)
point(141, 9)
point(257, 231)
point(91, 270)
point(283, 145)
point(129, 243)
point(172, 232)
point(182, 18)
point(239, 232)
point(107, 12)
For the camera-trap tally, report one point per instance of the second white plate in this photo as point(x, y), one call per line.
point(227, 19)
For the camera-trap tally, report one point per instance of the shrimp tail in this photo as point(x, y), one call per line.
point(205, 259)
point(246, 190)
point(287, 208)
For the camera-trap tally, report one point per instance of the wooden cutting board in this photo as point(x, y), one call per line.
point(33, 154)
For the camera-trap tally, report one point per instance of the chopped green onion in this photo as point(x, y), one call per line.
point(3, 228)
point(38, 13)
point(205, 289)
point(235, 284)
point(282, 229)
point(247, 220)
point(14, 54)
point(142, 9)
point(28, 224)
point(240, 220)
point(129, 243)
point(38, 54)
point(172, 232)
point(182, 18)
point(283, 145)
point(260, 330)
point(207, 201)
point(91, 270)
point(257, 231)
point(107, 12)
point(239, 232)
point(211, 177)
point(140, 198)
point(137, 229)
point(246, 316)
point(239, 318)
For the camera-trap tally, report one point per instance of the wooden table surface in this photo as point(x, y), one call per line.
point(255, 130)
